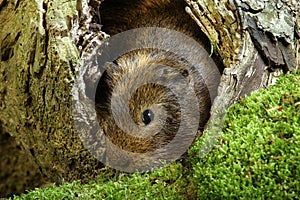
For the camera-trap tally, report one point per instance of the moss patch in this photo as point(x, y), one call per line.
point(259, 151)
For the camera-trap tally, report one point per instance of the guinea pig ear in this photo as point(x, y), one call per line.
point(110, 67)
point(113, 71)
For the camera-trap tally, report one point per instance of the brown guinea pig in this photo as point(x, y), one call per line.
point(144, 97)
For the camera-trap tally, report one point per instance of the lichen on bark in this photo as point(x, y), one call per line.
point(255, 39)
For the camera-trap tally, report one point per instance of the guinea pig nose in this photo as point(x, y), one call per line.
point(147, 116)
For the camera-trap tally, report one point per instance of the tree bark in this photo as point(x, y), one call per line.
point(43, 42)
point(38, 65)
point(258, 40)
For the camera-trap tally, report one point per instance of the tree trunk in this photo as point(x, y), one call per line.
point(257, 40)
point(42, 45)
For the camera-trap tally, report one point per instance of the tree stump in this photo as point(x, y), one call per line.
point(43, 44)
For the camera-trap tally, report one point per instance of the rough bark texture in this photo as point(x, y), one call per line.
point(43, 41)
point(258, 40)
point(18, 173)
point(38, 59)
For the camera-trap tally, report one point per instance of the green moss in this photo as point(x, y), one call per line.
point(259, 150)
point(165, 183)
point(257, 157)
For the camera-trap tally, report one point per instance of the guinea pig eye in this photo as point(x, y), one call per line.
point(147, 116)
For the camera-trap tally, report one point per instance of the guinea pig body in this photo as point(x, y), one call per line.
point(138, 107)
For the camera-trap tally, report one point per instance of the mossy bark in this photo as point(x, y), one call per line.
point(18, 172)
point(38, 64)
point(43, 41)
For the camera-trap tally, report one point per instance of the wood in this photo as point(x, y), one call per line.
point(257, 41)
